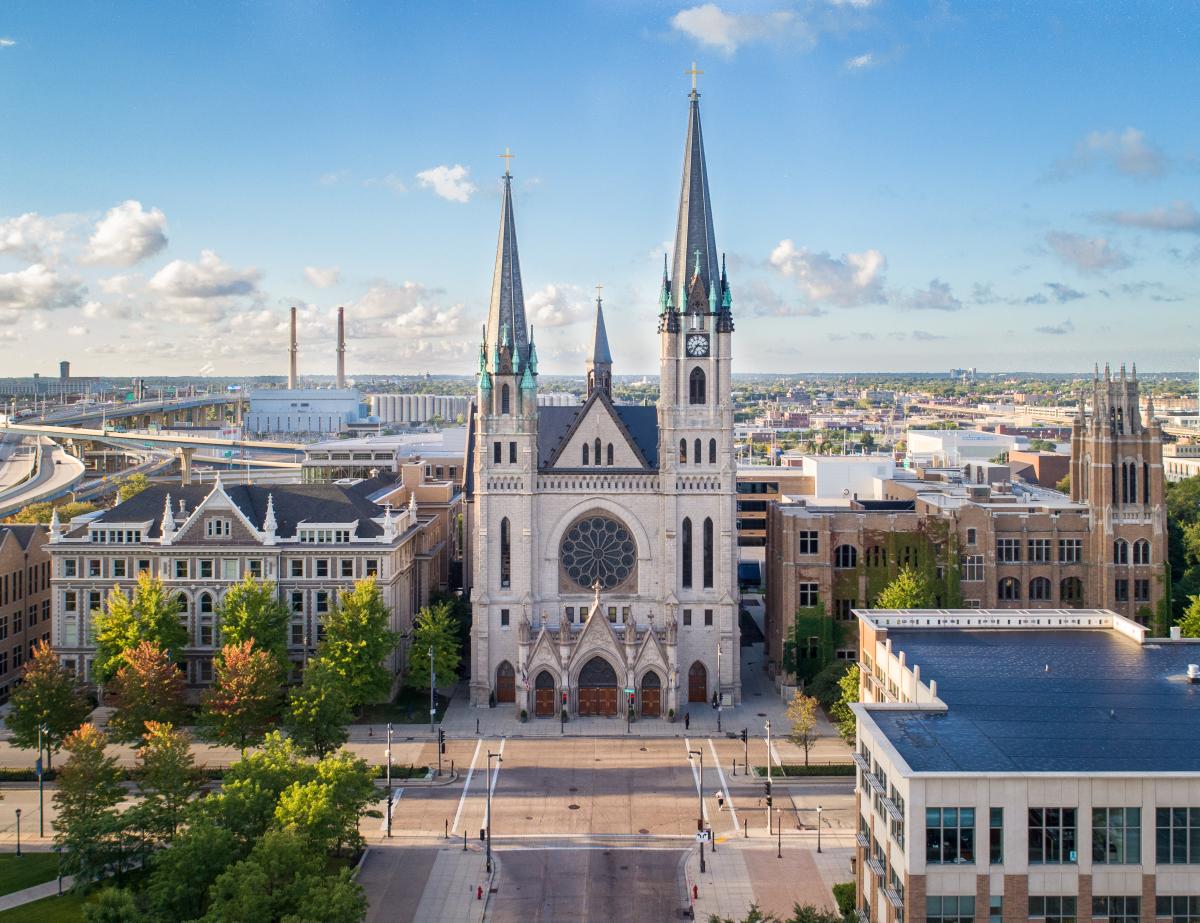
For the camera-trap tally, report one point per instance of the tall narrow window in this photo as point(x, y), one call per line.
point(686, 544)
point(708, 553)
point(696, 452)
point(696, 390)
point(496, 452)
point(504, 400)
point(683, 451)
point(1133, 482)
point(598, 461)
point(712, 451)
point(512, 453)
point(505, 553)
point(585, 453)
point(1145, 482)
point(610, 454)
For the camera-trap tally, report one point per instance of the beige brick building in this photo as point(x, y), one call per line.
point(991, 546)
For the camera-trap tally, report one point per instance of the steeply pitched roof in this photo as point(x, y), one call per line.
point(600, 353)
point(555, 425)
point(694, 227)
point(22, 533)
point(506, 310)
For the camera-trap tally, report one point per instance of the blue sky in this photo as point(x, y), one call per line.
point(897, 185)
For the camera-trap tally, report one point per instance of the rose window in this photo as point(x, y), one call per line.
point(598, 548)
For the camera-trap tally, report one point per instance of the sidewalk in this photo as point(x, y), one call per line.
point(36, 893)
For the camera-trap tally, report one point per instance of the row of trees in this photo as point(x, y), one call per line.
point(256, 851)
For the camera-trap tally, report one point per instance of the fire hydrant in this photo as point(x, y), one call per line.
point(695, 892)
point(479, 892)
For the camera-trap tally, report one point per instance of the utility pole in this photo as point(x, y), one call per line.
point(700, 797)
point(499, 760)
point(41, 787)
point(768, 775)
point(719, 696)
point(389, 780)
point(432, 689)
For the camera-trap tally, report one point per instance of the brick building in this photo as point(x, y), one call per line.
point(1006, 546)
point(24, 599)
point(312, 540)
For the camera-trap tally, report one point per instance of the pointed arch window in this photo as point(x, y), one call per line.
point(683, 451)
point(1141, 551)
point(712, 451)
point(686, 546)
point(585, 453)
point(609, 455)
point(696, 387)
point(1009, 588)
point(505, 553)
point(696, 451)
point(598, 455)
point(505, 399)
point(708, 553)
point(1120, 551)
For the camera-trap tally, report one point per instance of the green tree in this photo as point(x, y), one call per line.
point(41, 513)
point(48, 696)
point(112, 905)
point(252, 786)
point(89, 790)
point(180, 877)
point(318, 712)
point(357, 641)
point(131, 487)
point(352, 788)
point(1064, 485)
point(434, 627)
point(1189, 625)
point(239, 706)
point(252, 611)
point(168, 779)
point(910, 590)
point(841, 714)
point(824, 686)
point(283, 878)
point(802, 712)
point(151, 615)
point(147, 688)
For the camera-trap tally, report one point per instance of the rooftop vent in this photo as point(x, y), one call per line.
point(1193, 673)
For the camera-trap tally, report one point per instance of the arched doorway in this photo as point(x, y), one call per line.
point(698, 683)
point(506, 683)
point(597, 688)
point(651, 695)
point(543, 695)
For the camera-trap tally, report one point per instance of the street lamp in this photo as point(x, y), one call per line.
point(432, 687)
point(18, 832)
point(389, 779)
point(779, 833)
point(819, 810)
point(499, 759)
point(42, 731)
point(700, 798)
point(719, 697)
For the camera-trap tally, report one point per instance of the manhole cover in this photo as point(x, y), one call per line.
point(572, 789)
point(762, 714)
point(643, 831)
point(572, 807)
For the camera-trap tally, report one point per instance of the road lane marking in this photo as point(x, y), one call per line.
point(725, 788)
point(696, 776)
point(491, 786)
point(387, 809)
point(466, 786)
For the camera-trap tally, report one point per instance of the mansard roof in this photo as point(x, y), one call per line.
point(556, 424)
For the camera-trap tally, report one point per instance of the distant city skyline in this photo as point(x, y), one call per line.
point(911, 186)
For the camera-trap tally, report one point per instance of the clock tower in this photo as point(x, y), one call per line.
point(695, 413)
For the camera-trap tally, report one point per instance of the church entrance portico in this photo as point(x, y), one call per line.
point(651, 695)
point(543, 695)
point(597, 688)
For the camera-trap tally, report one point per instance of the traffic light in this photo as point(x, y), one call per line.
point(767, 789)
point(564, 698)
point(631, 700)
point(441, 741)
point(744, 738)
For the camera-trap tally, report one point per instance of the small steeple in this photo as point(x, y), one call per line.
point(506, 326)
point(270, 526)
point(599, 364)
point(168, 519)
point(55, 525)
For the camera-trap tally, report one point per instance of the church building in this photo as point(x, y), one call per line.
point(602, 558)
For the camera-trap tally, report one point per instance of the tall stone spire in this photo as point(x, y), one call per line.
point(507, 331)
point(599, 363)
point(695, 245)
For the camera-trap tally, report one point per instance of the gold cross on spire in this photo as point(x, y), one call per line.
point(507, 157)
point(693, 73)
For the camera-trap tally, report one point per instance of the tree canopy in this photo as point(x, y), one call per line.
point(252, 611)
point(318, 711)
point(910, 590)
point(434, 628)
point(152, 614)
point(239, 706)
point(147, 688)
point(357, 642)
point(49, 696)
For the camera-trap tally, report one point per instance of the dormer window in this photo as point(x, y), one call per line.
point(217, 528)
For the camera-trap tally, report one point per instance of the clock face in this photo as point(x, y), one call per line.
point(697, 345)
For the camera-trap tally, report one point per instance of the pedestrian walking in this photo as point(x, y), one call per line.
point(687, 720)
point(720, 796)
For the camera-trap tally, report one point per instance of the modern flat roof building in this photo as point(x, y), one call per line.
point(1026, 765)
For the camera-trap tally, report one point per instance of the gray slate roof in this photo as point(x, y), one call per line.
point(1106, 704)
point(22, 533)
point(554, 423)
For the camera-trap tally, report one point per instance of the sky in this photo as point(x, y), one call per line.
point(898, 185)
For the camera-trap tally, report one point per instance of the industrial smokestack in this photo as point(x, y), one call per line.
point(293, 379)
point(341, 348)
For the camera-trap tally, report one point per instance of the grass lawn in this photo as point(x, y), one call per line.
point(65, 909)
point(411, 706)
point(32, 868)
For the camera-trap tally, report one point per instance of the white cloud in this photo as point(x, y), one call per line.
point(37, 288)
point(712, 26)
point(1127, 152)
point(126, 235)
point(407, 310)
point(7, 42)
point(850, 280)
point(77, 330)
point(925, 336)
point(1056, 330)
point(1178, 216)
point(1086, 254)
point(31, 236)
point(860, 62)
point(208, 278)
point(557, 306)
point(390, 181)
point(323, 277)
point(937, 297)
point(448, 182)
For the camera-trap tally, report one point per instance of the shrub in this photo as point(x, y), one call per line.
point(844, 895)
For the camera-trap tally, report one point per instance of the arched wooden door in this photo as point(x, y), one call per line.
point(698, 683)
point(506, 683)
point(597, 688)
point(543, 695)
point(651, 695)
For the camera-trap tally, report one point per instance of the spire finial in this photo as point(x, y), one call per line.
point(507, 157)
point(693, 73)
point(599, 291)
point(696, 270)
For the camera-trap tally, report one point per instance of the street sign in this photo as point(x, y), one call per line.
point(702, 836)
